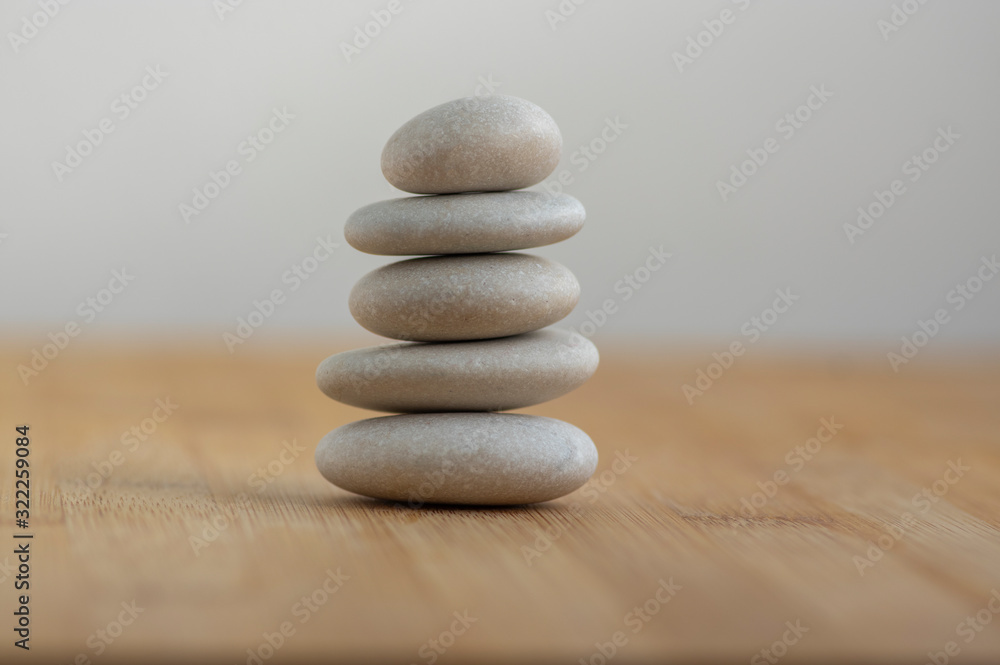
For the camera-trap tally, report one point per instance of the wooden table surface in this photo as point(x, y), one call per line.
point(206, 540)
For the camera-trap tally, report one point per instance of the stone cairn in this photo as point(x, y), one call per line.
point(471, 314)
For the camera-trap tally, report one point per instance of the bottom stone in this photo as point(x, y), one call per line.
point(463, 458)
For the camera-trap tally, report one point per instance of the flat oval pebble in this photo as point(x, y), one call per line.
point(489, 375)
point(464, 223)
point(458, 458)
point(451, 298)
point(475, 144)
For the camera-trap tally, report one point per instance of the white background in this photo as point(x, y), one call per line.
point(655, 185)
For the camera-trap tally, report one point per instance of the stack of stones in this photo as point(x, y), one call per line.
point(471, 314)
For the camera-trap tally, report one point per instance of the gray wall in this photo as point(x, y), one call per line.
point(656, 184)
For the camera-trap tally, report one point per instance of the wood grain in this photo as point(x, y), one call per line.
point(675, 514)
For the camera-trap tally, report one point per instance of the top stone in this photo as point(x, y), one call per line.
point(474, 144)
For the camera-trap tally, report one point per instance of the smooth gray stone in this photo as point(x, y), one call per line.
point(474, 144)
point(464, 223)
point(489, 375)
point(458, 458)
point(464, 297)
